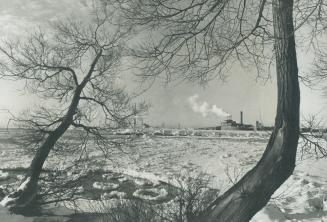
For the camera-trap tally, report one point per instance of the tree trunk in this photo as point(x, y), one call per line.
point(242, 201)
point(26, 193)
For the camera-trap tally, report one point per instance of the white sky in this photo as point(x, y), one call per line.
point(169, 103)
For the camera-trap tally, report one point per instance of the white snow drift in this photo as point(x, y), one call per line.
point(113, 194)
point(3, 175)
point(147, 194)
point(105, 185)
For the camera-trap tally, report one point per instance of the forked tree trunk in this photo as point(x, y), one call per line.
point(241, 202)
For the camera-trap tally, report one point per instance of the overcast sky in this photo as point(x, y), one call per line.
point(189, 105)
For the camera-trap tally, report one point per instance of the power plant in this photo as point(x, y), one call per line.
point(230, 124)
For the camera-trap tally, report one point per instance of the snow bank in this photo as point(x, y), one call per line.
point(3, 175)
point(151, 194)
point(24, 184)
point(270, 213)
point(6, 200)
point(147, 178)
point(80, 190)
point(113, 194)
point(142, 182)
point(20, 177)
point(155, 180)
point(105, 185)
point(110, 176)
point(122, 179)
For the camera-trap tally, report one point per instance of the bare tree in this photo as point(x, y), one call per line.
point(313, 133)
point(313, 139)
point(73, 65)
point(200, 39)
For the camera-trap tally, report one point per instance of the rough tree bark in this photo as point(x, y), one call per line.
point(20, 199)
point(242, 201)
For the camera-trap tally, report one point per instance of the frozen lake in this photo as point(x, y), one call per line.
point(220, 155)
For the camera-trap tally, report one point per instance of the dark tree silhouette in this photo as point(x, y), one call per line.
point(73, 65)
point(199, 40)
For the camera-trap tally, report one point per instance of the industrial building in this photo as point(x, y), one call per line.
point(230, 124)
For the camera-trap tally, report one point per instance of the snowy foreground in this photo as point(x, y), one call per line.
point(224, 157)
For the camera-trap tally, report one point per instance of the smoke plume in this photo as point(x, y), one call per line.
point(205, 108)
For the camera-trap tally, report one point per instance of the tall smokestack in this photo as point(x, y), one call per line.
point(241, 121)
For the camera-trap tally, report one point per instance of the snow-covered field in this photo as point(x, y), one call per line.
point(224, 156)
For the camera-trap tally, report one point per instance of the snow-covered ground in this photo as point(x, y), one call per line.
point(224, 156)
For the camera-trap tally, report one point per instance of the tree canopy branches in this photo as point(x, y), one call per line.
point(74, 65)
point(199, 40)
point(75, 55)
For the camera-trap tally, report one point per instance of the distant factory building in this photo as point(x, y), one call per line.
point(230, 124)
